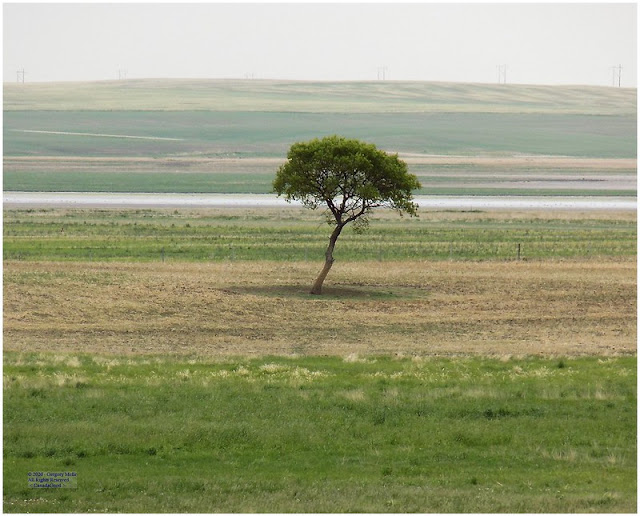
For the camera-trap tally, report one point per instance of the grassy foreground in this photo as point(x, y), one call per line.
point(316, 434)
point(181, 371)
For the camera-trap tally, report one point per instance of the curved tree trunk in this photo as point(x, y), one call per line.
point(317, 285)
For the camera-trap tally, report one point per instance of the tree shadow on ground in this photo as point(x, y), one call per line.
point(332, 292)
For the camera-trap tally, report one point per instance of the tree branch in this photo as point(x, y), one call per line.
point(362, 211)
point(337, 214)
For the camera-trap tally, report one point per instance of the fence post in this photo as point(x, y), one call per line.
point(162, 254)
point(518, 251)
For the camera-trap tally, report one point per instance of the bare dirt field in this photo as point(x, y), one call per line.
point(546, 308)
point(524, 160)
point(216, 164)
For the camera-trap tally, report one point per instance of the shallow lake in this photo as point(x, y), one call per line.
point(140, 200)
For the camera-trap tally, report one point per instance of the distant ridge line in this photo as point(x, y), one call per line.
point(271, 95)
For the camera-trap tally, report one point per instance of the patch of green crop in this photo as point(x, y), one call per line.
point(155, 182)
point(321, 434)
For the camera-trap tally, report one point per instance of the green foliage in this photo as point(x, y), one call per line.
point(320, 434)
point(348, 176)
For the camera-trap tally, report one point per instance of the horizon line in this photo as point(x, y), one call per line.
point(326, 81)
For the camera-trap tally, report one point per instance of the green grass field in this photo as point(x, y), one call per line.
point(248, 134)
point(297, 234)
point(352, 434)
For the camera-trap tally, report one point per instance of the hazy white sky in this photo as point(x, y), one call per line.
point(541, 43)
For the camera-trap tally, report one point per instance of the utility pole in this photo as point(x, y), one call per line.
point(616, 73)
point(20, 76)
point(502, 74)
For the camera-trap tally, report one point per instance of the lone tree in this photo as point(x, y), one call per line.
point(351, 178)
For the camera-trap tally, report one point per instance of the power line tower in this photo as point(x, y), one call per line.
point(122, 75)
point(20, 76)
point(502, 74)
point(382, 72)
point(616, 75)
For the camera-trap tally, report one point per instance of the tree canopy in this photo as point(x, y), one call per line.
point(350, 178)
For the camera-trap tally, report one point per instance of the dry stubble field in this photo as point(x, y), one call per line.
point(552, 308)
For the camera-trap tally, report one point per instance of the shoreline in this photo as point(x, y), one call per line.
point(154, 200)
